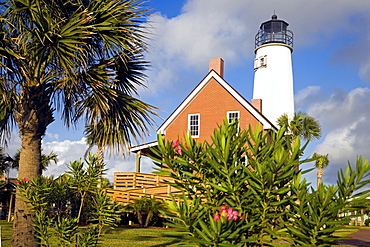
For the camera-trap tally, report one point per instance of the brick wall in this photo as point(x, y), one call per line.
point(212, 103)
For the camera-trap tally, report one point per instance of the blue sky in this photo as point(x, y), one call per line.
point(331, 68)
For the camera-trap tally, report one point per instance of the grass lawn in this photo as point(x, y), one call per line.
point(118, 237)
point(140, 237)
point(145, 237)
point(6, 232)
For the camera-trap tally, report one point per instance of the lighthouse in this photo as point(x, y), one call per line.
point(273, 77)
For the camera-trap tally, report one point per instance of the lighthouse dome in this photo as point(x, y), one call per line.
point(274, 31)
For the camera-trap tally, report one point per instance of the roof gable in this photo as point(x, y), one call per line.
point(212, 74)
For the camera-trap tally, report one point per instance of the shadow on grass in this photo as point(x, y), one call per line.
point(167, 244)
point(165, 238)
point(359, 238)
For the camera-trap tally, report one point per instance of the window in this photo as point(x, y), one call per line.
point(193, 124)
point(243, 159)
point(260, 62)
point(232, 115)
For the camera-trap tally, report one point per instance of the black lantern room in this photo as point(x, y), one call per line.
point(274, 31)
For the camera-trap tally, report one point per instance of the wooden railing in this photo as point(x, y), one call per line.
point(123, 180)
point(127, 196)
point(133, 185)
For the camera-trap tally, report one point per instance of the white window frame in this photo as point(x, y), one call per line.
point(228, 117)
point(245, 157)
point(189, 124)
point(260, 62)
point(232, 112)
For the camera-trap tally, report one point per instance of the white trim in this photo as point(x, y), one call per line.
point(228, 115)
point(260, 62)
point(212, 74)
point(228, 118)
point(143, 146)
point(189, 116)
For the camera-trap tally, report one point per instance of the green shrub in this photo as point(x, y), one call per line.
point(246, 188)
point(59, 205)
point(367, 222)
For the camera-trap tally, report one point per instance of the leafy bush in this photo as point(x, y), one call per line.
point(256, 174)
point(145, 209)
point(367, 222)
point(59, 204)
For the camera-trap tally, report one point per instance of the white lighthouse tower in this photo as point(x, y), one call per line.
point(273, 78)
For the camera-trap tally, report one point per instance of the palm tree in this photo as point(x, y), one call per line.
point(301, 125)
point(153, 208)
point(321, 161)
point(4, 163)
point(145, 208)
point(47, 159)
point(68, 56)
point(104, 136)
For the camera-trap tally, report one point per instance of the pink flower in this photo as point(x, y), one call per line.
point(175, 144)
point(25, 179)
point(177, 147)
point(234, 215)
point(216, 217)
point(229, 213)
point(18, 182)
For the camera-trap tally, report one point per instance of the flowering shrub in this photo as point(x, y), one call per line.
point(227, 213)
point(20, 181)
point(177, 147)
point(244, 189)
point(54, 203)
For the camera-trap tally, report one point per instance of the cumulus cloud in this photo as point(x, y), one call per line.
point(52, 136)
point(345, 121)
point(181, 46)
point(69, 151)
point(224, 29)
point(306, 96)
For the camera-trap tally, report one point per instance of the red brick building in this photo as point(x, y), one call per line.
point(205, 107)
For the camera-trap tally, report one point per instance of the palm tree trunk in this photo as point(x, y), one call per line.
point(23, 233)
point(140, 218)
point(319, 176)
point(33, 114)
point(100, 154)
point(148, 218)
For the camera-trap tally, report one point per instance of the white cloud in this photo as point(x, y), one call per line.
point(226, 29)
point(306, 95)
point(181, 47)
point(52, 136)
point(69, 151)
point(345, 119)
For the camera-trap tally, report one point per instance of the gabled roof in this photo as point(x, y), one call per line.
point(212, 74)
point(9, 186)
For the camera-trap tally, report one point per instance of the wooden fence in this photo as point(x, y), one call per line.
point(123, 180)
point(133, 185)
